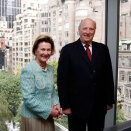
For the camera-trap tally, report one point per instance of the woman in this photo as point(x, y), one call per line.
point(40, 100)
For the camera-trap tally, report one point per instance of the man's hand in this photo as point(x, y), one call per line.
point(109, 107)
point(67, 111)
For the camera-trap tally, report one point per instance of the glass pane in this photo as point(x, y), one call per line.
point(124, 66)
point(21, 21)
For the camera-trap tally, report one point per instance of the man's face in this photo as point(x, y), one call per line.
point(87, 31)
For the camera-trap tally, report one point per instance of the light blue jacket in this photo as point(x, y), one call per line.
point(38, 91)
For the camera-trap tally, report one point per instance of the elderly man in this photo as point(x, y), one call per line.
point(85, 80)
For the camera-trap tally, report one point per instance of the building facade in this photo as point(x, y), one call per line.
point(8, 11)
point(59, 19)
point(124, 77)
point(5, 40)
point(23, 34)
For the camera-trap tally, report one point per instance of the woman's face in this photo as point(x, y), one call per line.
point(43, 52)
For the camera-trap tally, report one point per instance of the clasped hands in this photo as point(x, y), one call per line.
point(56, 112)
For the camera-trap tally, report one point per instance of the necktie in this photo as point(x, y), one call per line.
point(88, 51)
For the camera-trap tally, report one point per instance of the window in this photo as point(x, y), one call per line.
point(130, 94)
point(125, 55)
point(129, 62)
point(60, 20)
point(60, 12)
point(66, 42)
point(129, 78)
point(125, 108)
point(26, 44)
point(67, 25)
point(43, 30)
point(60, 43)
point(60, 28)
point(129, 109)
point(26, 60)
point(66, 34)
point(25, 20)
point(123, 1)
point(126, 93)
point(32, 20)
point(42, 15)
point(54, 37)
point(54, 13)
point(26, 55)
point(122, 76)
point(54, 29)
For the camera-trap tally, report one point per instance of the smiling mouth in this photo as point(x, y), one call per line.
point(45, 57)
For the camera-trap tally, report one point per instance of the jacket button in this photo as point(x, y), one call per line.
point(94, 71)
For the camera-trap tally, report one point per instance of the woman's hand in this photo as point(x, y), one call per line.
point(56, 111)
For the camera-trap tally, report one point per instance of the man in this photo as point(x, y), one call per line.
point(85, 80)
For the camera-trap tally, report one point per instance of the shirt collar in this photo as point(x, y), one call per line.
point(90, 45)
point(39, 68)
point(45, 68)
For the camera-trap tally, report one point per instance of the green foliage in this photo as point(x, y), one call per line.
point(55, 65)
point(10, 68)
point(62, 121)
point(120, 116)
point(5, 114)
point(4, 111)
point(10, 86)
point(10, 96)
point(18, 116)
point(3, 127)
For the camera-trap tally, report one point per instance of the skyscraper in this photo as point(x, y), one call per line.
point(8, 11)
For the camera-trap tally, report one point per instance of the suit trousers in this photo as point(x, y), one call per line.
point(32, 124)
point(95, 122)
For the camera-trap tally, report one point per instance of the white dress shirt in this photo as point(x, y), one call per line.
point(90, 47)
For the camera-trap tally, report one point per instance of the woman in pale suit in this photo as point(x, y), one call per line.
point(40, 100)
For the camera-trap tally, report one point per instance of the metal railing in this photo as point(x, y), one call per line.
point(125, 126)
point(59, 127)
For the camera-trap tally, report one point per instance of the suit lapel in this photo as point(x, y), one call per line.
point(80, 49)
point(83, 55)
point(94, 52)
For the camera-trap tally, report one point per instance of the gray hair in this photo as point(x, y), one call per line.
point(87, 19)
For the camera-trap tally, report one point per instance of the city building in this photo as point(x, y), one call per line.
point(23, 34)
point(8, 57)
point(44, 20)
point(59, 19)
point(124, 77)
point(62, 17)
point(5, 32)
point(8, 11)
point(1, 60)
point(5, 40)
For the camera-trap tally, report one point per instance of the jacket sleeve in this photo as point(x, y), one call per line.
point(28, 92)
point(109, 80)
point(62, 78)
point(55, 99)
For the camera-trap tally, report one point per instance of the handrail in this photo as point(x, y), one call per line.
point(59, 127)
point(125, 126)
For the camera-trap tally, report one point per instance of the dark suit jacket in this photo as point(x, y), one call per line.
point(84, 86)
